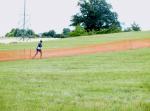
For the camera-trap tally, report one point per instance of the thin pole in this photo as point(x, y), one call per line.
point(24, 19)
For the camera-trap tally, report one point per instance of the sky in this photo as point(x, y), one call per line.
point(44, 15)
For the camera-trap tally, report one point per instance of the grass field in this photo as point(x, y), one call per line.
point(78, 41)
point(115, 81)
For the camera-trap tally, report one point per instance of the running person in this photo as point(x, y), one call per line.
point(39, 49)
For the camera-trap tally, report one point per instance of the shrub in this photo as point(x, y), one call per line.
point(60, 36)
point(50, 33)
point(66, 32)
point(128, 29)
point(92, 32)
point(110, 30)
point(79, 31)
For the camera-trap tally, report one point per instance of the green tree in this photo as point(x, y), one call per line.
point(66, 31)
point(50, 33)
point(30, 32)
point(45, 34)
point(15, 32)
point(95, 15)
point(135, 27)
point(11, 33)
point(78, 31)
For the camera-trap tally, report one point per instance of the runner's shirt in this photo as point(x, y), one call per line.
point(39, 47)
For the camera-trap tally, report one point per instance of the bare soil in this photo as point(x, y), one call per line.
point(98, 48)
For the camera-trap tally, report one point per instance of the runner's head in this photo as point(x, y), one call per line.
point(40, 41)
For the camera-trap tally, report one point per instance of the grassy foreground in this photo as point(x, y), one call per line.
point(117, 81)
point(78, 41)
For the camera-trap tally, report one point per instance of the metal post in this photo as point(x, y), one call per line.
point(24, 19)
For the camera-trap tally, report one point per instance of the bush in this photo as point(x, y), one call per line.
point(92, 32)
point(79, 31)
point(128, 29)
point(110, 30)
point(50, 33)
point(60, 36)
point(66, 32)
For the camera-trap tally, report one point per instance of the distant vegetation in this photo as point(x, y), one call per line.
point(50, 33)
point(134, 27)
point(95, 17)
point(15, 32)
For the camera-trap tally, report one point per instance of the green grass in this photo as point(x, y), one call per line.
point(78, 41)
point(117, 81)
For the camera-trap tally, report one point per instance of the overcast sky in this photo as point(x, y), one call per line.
point(43, 15)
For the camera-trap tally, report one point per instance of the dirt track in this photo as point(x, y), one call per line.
point(105, 47)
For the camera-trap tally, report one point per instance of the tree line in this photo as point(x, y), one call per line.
point(95, 17)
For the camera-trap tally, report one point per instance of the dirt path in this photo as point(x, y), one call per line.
point(105, 47)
